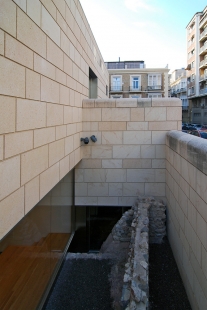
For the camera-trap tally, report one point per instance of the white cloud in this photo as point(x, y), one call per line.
point(134, 5)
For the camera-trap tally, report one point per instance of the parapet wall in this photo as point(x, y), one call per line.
point(186, 192)
point(128, 158)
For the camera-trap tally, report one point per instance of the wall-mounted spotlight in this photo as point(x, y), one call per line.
point(93, 138)
point(85, 140)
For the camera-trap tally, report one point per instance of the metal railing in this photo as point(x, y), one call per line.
point(191, 92)
point(116, 88)
point(203, 33)
point(202, 77)
point(135, 89)
point(181, 90)
point(154, 87)
point(203, 21)
point(203, 91)
point(203, 63)
point(203, 48)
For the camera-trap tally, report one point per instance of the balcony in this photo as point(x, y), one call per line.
point(203, 91)
point(185, 107)
point(202, 22)
point(116, 89)
point(203, 49)
point(202, 77)
point(135, 89)
point(154, 87)
point(181, 90)
point(203, 63)
point(203, 34)
point(191, 92)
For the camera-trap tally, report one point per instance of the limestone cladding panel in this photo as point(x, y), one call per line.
point(12, 78)
point(1, 147)
point(30, 114)
point(33, 163)
point(7, 115)
point(46, 49)
point(186, 176)
point(30, 34)
point(13, 204)
point(8, 17)
point(32, 85)
point(19, 142)
point(9, 176)
point(18, 52)
point(131, 146)
point(31, 194)
point(1, 42)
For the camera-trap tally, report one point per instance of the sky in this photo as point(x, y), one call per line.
point(149, 30)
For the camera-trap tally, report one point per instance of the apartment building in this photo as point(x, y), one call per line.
point(131, 79)
point(178, 88)
point(197, 66)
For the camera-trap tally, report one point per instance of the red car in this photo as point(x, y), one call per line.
point(199, 133)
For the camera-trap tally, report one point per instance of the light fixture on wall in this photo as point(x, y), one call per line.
point(93, 138)
point(85, 140)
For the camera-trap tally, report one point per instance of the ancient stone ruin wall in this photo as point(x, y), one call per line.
point(143, 223)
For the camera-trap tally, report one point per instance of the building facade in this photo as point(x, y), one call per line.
point(131, 79)
point(197, 67)
point(178, 88)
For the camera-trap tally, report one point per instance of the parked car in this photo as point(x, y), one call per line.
point(204, 127)
point(198, 126)
point(199, 133)
point(188, 127)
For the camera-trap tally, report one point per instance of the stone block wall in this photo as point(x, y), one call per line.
point(128, 158)
point(186, 192)
point(46, 49)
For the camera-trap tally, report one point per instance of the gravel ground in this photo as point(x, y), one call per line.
point(82, 284)
point(166, 290)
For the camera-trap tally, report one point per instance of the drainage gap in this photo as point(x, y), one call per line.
point(166, 289)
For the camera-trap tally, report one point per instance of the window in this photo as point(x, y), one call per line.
point(182, 84)
point(192, 77)
point(193, 64)
point(93, 84)
point(116, 83)
point(154, 81)
point(135, 82)
point(106, 90)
